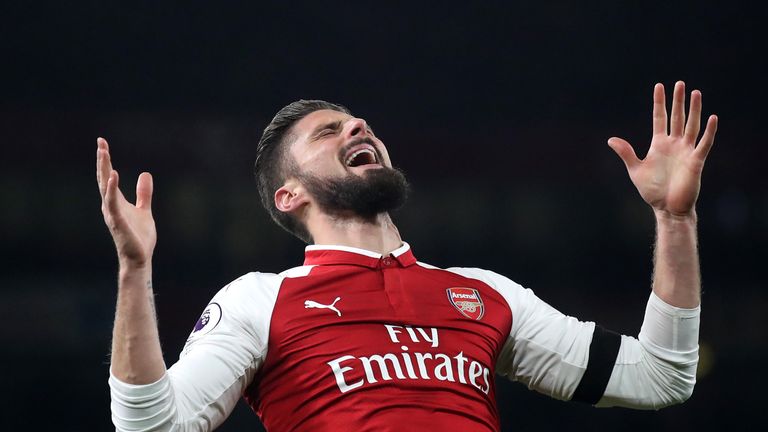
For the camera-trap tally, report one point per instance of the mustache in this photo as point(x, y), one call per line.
point(357, 141)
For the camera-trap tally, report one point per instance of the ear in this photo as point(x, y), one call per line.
point(290, 197)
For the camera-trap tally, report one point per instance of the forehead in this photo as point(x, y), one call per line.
point(317, 119)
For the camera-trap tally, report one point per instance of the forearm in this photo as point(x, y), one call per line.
point(136, 354)
point(676, 275)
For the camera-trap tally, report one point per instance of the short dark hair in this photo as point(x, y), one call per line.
point(274, 166)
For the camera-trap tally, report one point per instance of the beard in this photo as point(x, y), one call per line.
point(379, 190)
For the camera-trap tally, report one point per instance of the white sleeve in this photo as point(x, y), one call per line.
point(545, 350)
point(549, 351)
point(659, 368)
point(219, 360)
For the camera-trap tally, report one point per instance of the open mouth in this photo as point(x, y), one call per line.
point(361, 156)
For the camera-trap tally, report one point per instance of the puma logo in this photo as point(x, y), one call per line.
point(313, 304)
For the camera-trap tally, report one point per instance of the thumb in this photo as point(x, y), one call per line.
point(144, 188)
point(625, 151)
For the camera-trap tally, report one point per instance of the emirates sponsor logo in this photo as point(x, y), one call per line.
point(404, 365)
point(467, 301)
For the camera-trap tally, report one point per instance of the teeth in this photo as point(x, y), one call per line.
point(359, 152)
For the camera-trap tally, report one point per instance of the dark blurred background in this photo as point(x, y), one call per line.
point(498, 113)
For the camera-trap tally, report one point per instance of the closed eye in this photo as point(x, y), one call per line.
point(328, 129)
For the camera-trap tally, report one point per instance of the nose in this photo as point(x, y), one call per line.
point(356, 127)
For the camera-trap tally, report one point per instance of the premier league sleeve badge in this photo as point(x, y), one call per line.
point(208, 321)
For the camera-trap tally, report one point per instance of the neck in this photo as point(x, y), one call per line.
point(376, 235)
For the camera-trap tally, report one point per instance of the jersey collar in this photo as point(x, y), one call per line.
point(336, 254)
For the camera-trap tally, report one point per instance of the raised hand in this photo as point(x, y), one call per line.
point(669, 178)
point(132, 226)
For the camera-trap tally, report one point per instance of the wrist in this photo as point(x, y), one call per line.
point(667, 217)
point(133, 271)
point(134, 261)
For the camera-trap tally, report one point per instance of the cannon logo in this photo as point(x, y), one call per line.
point(467, 301)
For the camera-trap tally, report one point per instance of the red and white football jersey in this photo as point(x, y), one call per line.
point(353, 340)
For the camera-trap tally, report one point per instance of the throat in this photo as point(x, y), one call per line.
point(377, 235)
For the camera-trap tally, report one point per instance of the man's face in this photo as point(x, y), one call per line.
point(330, 143)
point(345, 168)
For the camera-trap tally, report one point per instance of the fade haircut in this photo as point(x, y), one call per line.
point(274, 165)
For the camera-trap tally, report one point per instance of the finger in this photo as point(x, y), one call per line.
point(144, 187)
point(694, 117)
point(677, 123)
point(111, 197)
point(625, 152)
point(102, 143)
point(708, 138)
point(659, 110)
point(103, 165)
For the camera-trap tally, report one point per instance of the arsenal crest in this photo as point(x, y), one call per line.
point(467, 301)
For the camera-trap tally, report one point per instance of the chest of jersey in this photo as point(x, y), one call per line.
point(356, 339)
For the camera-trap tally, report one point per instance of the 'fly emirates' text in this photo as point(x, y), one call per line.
point(414, 366)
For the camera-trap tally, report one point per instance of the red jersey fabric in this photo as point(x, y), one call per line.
point(370, 343)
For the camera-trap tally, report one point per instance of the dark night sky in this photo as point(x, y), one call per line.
point(498, 113)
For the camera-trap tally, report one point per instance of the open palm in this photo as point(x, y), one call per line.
point(132, 226)
point(669, 178)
